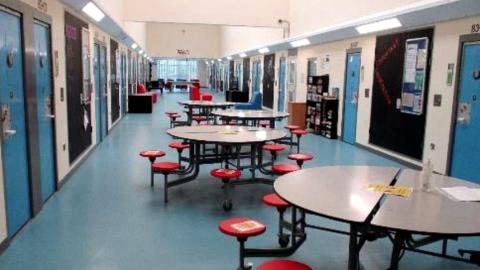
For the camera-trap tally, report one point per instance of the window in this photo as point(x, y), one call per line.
point(177, 69)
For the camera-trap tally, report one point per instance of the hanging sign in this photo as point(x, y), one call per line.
point(414, 74)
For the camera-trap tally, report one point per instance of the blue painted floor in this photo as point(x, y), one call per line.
point(108, 217)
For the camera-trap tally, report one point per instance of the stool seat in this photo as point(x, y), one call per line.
point(292, 127)
point(302, 157)
point(273, 147)
point(165, 167)
point(199, 118)
point(225, 173)
point(179, 145)
point(170, 113)
point(207, 97)
point(284, 168)
point(299, 132)
point(264, 123)
point(242, 227)
point(152, 153)
point(273, 199)
point(283, 265)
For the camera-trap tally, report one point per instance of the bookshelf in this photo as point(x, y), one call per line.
point(322, 110)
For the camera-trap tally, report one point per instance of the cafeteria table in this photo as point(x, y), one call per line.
point(205, 106)
point(251, 115)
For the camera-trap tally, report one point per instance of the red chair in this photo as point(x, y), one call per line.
point(141, 89)
point(242, 229)
point(207, 97)
point(165, 168)
point(281, 205)
point(196, 84)
point(195, 93)
point(299, 133)
point(226, 175)
point(152, 155)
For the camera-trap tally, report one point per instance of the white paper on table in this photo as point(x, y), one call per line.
point(410, 63)
point(464, 194)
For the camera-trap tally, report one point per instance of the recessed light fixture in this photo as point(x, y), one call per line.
point(140, 52)
point(300, 43)
point(243, 55)
point(206, 62)
point(212, 61)
point(229, 57)
point(219, 59)
point(134, 46)
point(93, 11)
point(263, 50)
point(379, 26)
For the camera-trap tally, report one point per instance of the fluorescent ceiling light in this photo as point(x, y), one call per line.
point(229, 57)
point(140, 52)
point(243, 55)
point(379, 26)
point(263, 50)
point(134, 46)
point(213, 61)
point(93, 11)
point(300, 43)
point(219, 60)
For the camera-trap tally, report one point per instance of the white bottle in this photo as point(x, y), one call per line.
point(426, 176)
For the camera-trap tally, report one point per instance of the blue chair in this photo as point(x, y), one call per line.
point(255, 103)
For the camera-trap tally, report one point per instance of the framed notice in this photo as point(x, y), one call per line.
point(414, 74)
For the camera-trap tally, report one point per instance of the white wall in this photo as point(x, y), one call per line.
point(138, 31)
point(202, 41)
point(234, 39)
point(220, 12)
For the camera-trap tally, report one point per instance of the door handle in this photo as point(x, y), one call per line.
point(51, 116)
point(9, 132)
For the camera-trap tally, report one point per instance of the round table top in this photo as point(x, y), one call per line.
point(226, 134)
point(250, 114)
point(202, 103)
point(339, 192)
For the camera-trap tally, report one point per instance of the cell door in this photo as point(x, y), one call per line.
point(96, 79)
point(44, 93)
point(123, 82)
point(14, 135)
point(256, 76)
point(268, 80)
point(352, 80)
point(465, 157)
point(281, 84)
point(103, 91)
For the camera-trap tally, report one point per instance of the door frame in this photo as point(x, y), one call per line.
point(350, 51)
point(468, 38)
point(100, 45)
point(28, 15)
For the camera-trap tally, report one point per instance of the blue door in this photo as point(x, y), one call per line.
point(44, 93)
point(352, 80)
point(123, 83)
point(103, 92)
point(14, 135)
point(465, 157)
point(96, 78)
point(281, 84)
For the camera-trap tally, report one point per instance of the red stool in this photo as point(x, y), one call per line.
point(300, 158)
point(282, 169)
point(207, 97)
point(274, 148)
point(165, 168)
point(264, 124)
point(199, 118)
point(173, 118)
point(299, 133)
point(283, 265)
point(292, 127)
point(154, 97)
point(226, 175)
point(242, 229)
point(152, 155)
point(180, 146)
point(281, 205)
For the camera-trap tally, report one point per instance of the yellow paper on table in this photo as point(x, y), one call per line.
point(391, 190)
point(228, 132)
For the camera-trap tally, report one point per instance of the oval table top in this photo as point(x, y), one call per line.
point(250, 114)
point(337, 192)
point(226, 134)
point(202, 103)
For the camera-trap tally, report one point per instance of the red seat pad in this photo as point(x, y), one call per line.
point(273, 199)
point(292, 127)
point(199, 118)
point(179, 145)
point(225, 173)
point(300, 156)
point(273, 147)
point(299, 132)
point(264, 123)
point(152, 153)
point(228, 227)
point(283, 265)
point(284, 168)
point(165, 166)
point(170, 113)
point(207, 97)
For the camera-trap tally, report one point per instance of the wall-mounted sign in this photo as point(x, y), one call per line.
point(414, 69)
point(183, 52)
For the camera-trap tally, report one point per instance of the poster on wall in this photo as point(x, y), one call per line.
point(414, 69)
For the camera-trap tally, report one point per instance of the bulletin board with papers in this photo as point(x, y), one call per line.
point(414, 74)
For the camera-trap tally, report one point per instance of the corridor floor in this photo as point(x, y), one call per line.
point(107, 216)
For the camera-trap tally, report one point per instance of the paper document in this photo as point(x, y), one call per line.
point(248, 225)
point(464, 194)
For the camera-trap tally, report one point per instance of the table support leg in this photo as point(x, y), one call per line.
point(353, 260)
point(397, 250)
point(253, 158)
